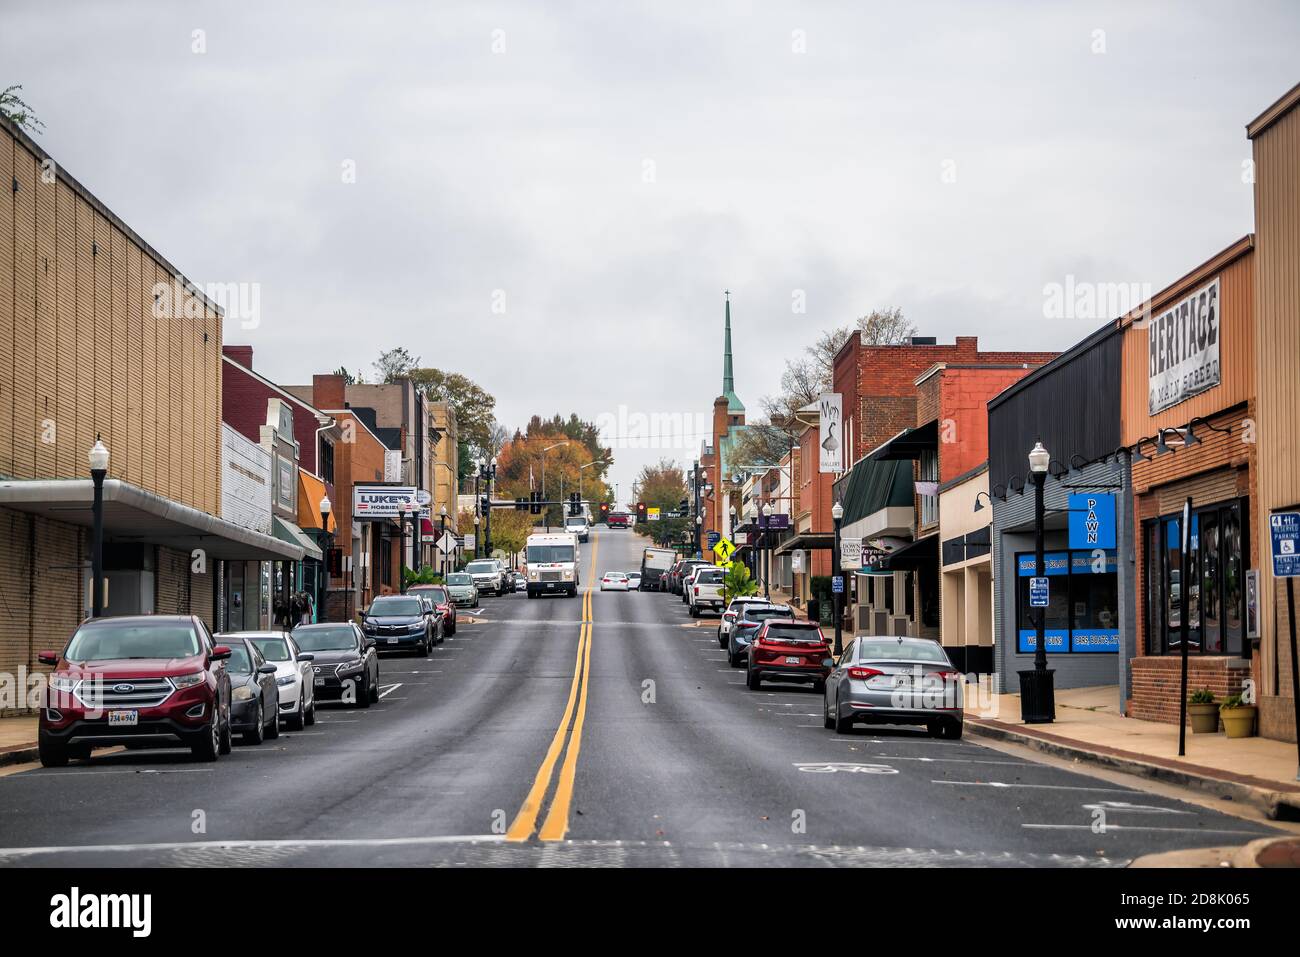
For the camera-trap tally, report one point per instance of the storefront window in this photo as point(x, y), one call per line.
point(1215, 580)
point(1083, 602)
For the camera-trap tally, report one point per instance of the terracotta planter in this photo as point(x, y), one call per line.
point(1205, 717)
point(1239, 722)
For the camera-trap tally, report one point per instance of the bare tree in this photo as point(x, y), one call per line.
point(885, 327)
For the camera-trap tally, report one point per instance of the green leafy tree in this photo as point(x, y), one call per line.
point(425, 575)
point(19, 112)
point(663, 486)
point(737, 583)
point(474, 406)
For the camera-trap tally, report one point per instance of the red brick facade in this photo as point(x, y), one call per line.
point(244, 395)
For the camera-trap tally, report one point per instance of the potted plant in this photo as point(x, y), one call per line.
point(1204, 711)
point(1238, 717)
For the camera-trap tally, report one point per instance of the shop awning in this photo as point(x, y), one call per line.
point(912, 556)
point(289, 532)
point(132, 514)
point(806, 541)
point(908, 444)
point(872, 486)
point(310, 492)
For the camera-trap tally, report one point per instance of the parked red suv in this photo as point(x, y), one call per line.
point(785, 650)
point(153, 679)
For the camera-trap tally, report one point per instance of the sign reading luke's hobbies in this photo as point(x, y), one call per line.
point(831, 457)
point(1284, 527)
point(1183, 349)
point(383, 501)
point(1092, 520)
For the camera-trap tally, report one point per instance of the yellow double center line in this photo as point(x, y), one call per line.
point(556, 824)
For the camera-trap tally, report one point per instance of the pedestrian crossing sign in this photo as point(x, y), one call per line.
point(723, 551)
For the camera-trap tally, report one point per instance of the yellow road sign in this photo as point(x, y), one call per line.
point(723, 551)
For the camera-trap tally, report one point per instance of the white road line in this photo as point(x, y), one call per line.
point(385, 690)
point(1132, 827)
point(1042, 787)
point(237, 845)
point(79, 772)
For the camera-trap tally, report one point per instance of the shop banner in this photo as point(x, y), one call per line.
point(830, 405)
point(1183, 349)
point(1092, 521)
point(383, 501)
point(850, 553)
point(1054, 563)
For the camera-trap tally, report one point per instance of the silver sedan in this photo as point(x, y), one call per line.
point(895, 680)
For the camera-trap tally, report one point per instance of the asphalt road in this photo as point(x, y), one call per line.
point(533, 738)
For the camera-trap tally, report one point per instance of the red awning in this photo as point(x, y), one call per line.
point(426, 528)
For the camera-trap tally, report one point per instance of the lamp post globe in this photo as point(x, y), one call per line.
point(1037, 694)
point(98, 460)
point(837, 597)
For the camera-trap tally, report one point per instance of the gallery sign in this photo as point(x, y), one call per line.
point(1183, 349)
point(830, 405)
point(383, 501)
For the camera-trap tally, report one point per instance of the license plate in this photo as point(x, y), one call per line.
point(902, 681)
point(123, 719)
point(392, 641)
point(792, 660)
point(319, 682)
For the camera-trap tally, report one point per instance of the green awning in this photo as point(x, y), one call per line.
point(874, 485)
point(291, 533)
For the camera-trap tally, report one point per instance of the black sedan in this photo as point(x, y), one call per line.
point(344, 662)
point(401, 623)
point(254, 695)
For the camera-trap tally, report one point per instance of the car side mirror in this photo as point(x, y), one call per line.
point(828, 662)
point(267, 669)
point(371, 643)
point(306, 656)
point(220, 653)
point(48, 657)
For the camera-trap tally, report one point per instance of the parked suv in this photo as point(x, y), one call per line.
point(487, 575)
point(789, 651)
point(137, 679)
point(401, 623)
point(706, 591)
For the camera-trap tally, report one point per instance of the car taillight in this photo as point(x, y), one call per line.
point(945, 675)
point(697, 589)
point(862, 674)
point(729, 616)
point(444, 608)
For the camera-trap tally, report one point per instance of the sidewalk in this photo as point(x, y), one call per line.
point(1089, 728)
point(17, 740)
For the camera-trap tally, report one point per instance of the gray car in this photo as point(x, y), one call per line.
point(894, 680)
point(462, 590)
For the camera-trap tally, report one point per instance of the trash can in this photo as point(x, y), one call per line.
point(814, 609)
point(1037, 696)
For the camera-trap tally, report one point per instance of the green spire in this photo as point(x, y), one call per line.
point(728, 378)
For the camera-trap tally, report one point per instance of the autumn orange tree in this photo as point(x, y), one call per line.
point(552, 464)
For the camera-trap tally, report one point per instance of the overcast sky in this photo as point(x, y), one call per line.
point(601, 172)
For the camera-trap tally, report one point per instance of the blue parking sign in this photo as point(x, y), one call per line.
point(714, 538)
point(837, 584)
point(1284, 528)
point(1038, 592)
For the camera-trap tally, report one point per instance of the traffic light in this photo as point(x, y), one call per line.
point(575, 504)
point(683, 508)
point(485, 505)
point(536, 499)
point(640, 511)
point(604, 511)
point(521, 504)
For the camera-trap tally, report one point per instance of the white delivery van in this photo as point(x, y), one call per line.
point(552, 564)
point(577, 524)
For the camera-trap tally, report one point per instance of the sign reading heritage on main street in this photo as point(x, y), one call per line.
point(1183, 349)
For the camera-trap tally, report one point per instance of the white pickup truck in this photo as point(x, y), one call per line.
point(705, 591)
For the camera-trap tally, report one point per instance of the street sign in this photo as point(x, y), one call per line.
point(713, 538)
point(850, 553)
point(652, 514)
point(837, 584)
point(447, 543)
point(423, 497)
point(723, 550)
point(1092, 520)
point(1038, 591)
point(1285, 530)
point(469, 542)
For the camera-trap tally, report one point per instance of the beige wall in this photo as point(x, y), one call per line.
point(82, 353)
point(966, 602)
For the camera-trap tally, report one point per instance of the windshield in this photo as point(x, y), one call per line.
point(543, 554)
point(614, 575)
point(436, 594)
point(239, 663)
point(273, 649)
point(794, 633)
point(459, 578)
point(900, 651)
point(325, 638)
point(396, 605)
point(104, 641)
point(763, 614)
point(575, 522)
point(709, 577)
point(482, 568)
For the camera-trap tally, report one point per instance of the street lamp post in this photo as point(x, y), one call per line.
point(98, 469)
point(442, 531)
point(476, 522)
point(401, 550)
point(1037, 695)
point(837, 597)
point(326, 506)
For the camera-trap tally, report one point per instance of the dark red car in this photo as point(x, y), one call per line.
point(618, 520)
point(442, 601)
point(138, 679)
point(785, 650)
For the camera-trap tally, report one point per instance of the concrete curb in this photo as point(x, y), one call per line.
point(21, 754)
point(1276, 804)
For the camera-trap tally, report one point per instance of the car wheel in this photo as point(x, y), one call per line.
point(54, 754)
point(227, 743)
point(752, 680)
point(733, 660)
point(374, 690)
point(257, 735)
point(311, 713)
point(363, 693)
point(952, 730)
point(273, 727)
point(842, 725)
point(722, 642)
point(827, 720)
point(819, 687)
point(298, 720)
point(208, 744)
point(428, 646)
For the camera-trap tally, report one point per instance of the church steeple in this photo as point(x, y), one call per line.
point(734, 405)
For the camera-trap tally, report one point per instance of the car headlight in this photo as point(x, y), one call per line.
point(532, 576)
point(568, 573)
point(242, 693)
point(187, 681)
point(65, 683)
point(286, 680)
point(417, 627)
point(349, 667)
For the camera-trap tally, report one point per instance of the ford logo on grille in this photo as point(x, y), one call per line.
point(123, 689)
